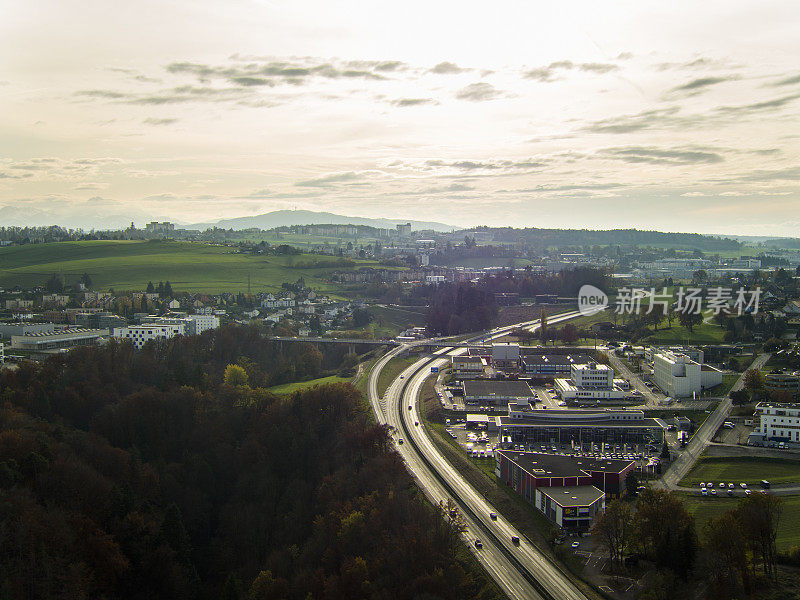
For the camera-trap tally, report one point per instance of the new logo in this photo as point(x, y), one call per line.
point(591, 300)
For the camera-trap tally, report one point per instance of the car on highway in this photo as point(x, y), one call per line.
point(722, 485)
point(515, 540)
point(402, 376)
point(409, 407)
point(478, 544)
point(747, 492)
point(713, 492)
point(743, 486)
point(416, 423)
point(730, 486)
point(704, 492)
point(493, 516)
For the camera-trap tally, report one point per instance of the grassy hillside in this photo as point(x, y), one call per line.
point(193, 267)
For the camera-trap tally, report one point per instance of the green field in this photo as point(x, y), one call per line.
point(748, 469)
point(392, 370)
point(188, 266)
point(704, 333)
point(703, 507)
point(288, 388)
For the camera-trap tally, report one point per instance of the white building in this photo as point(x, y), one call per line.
point(679, 376)
point(590, 381)
point(777, 422)
point(139, 335)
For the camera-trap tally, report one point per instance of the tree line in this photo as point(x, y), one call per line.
point(173, 472)
point(728, 555)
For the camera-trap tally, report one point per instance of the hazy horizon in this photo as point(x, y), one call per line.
point(679, 117)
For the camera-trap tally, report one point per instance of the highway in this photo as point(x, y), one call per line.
point(521, 570)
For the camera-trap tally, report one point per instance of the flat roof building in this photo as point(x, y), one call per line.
point(569, 490)
point(538, 364)
point(496, 392)
point(58, 341)
point(581, 426)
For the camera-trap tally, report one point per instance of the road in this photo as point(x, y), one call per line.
point(521, 570)
point(702, 437)
point(622, 370)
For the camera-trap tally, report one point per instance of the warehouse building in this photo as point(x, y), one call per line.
point(493, 392)
point(569, 490)
point(58, 341)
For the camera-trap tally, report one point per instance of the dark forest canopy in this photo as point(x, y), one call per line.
point(167, 473)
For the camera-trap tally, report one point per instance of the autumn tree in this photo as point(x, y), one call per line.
point(759, 515)
point(724, 557)
point(690, 319)
point(235, 375)
point(665, 530)
point(615, 528)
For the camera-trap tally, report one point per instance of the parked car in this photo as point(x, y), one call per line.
point(576, 544)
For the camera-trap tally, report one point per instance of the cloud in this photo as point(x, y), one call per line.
point(447, 68)
point(698, 63)
point(153, 121)
point(413, 101)
point(636, 122)
point(327, 180)
point(296, 71)
point(788, 80)
point(764, 175)
point(598, 67)
point(549, 73)
point(703, 82)
point(479, 92)
point(653, 155)
point(756, 107)
point(486, 165)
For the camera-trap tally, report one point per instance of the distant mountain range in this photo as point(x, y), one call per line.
point(282, 218)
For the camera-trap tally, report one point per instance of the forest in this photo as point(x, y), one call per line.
point(172, 472)
point(465, 307)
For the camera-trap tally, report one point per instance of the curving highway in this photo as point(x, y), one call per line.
point(520, 569)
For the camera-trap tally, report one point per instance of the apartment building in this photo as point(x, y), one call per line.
point(776, 423)
point(783, 381)
point(139, 335)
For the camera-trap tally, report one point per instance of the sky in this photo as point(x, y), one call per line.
point(676, 116)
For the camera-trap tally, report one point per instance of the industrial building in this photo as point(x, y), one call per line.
point(590, 381)
point(679, 376)
point(569, 490)
point(57, 341)
point(539, 365)
point(493, 392)
point(468, 367)
point(581, 426)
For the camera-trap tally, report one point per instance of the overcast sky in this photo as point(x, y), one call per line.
point(679, 116)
